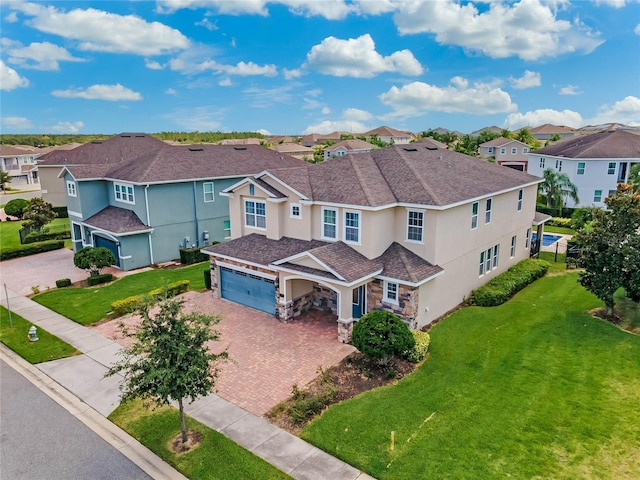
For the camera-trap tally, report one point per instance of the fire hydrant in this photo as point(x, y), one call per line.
point(33, 336)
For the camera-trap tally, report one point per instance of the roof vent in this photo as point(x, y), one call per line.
point(410, 149)
point(439, 157)
point(125, 136)
point(196, 149)
point(431, 147)
point(96, 142)
point(140, 136)
point(239, 147)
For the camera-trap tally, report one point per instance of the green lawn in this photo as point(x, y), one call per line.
point(534, 388)
point(559, 230)
point(48, 347)
point(10, 238)
point(216, 457)
point(90, 305)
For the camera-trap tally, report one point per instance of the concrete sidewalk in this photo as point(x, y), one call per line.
point(83, 376)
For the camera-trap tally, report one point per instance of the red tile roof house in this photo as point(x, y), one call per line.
point(506, 151)
point(409, 229)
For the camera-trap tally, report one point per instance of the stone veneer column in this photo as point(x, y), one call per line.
point(214, 272)
point(345, 328)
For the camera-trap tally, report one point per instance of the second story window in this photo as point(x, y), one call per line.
point(611, 169)
point(503, 151)
point(597, 196)
point(255, 214)
point(487, 212)
point(474, 216)
point(329, 227)
point(520, 197)
point(512, 252)
point(209, 196)
point(415, 225)
point(559, 165)
point(514, 150)
point(525, 149)
point(71, 189)
point(542, 162)
point(489, 149)
point(581, 166)
point(124, 193)
point(352, 227)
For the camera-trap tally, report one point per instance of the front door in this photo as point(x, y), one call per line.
point(359, 295)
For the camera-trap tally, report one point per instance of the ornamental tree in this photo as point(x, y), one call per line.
point(169, 359)
point(93, 259)
point(4, 179)
point(379, 335)
point(37, 214)
point(610, 250)
point(16, 207)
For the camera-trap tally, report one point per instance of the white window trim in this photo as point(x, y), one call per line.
point(244, 213)
point(525, 149)
point(488, 211)
point(481, 271)
point(72, 189)
point(299, 216)
point(421, 241)
point(212, 192)
point(514, 243)
point(584, 168)
point(514, 150)
point(122, 199)
point(385, 297)
point(520, 199)
point(489, 149)
point(322, 224)
point(475, 215)
point(503, 151)
point(527, 239)
point(595, 195)
point(344, 230)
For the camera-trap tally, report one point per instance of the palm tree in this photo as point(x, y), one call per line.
point(557, 187)
point(505, 133)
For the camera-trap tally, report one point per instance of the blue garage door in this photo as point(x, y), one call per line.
point(110, 244)
point(250, 290)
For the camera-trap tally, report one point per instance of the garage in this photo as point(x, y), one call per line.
point(247, 289)
point(108, 244)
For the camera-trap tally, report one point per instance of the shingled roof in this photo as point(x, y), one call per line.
point(117, 220)
point(605, 144)
point(414, 174)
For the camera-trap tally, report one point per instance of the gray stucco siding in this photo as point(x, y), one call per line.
point(92, 197)
point(134, 251)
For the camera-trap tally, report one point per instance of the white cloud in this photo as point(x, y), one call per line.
point(40, 56)
point(67, 127)
point(199, 59)
point(291, 74)
point(97, 30)
point(418, 98)
point(245, 69)
point(569, 90)
point(612, 3)
point(539, 117)
point(357, 57)
point(356, 115)
point(528, 29)
point(625, 111)
point(329, 9)
point(375, 7)
point(267, 97)
point(114, 93)
point(325, 111)
point(153, 65)
point(528, 80)
point(12, 17)
point(352, 120)
point(208, 24)
point(170, 91)
point(225, 82)
point(202, 119)
point(637, 29)
point(10, 79)
point(15, 123)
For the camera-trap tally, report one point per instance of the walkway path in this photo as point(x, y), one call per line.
point(83, 375)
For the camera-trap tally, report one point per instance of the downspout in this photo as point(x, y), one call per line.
point(195, 213)
point(146, 204)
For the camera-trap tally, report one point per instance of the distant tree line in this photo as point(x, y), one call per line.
point(205, 137)
point(468, 144)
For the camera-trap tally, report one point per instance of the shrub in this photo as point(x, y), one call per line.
point(16, 207)
point(93, 259)
point(189, 256)
point(31, 249)
point(133, 303)
point(580, 217)
point(559, 222)
point(98, 279)
point(171, 290)
point(380, 335)
point(61, 212)
point(419, 351)
point(43, 236)
point(207, 279)
point(63, 282)
point(504, 286)
point(127, 305)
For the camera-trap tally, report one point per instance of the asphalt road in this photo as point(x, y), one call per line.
point(41, 440)
point(5, 198)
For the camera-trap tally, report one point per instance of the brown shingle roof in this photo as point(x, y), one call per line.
point(345, 261)
point(116, 220)
point(405, 266)
point(606, 144)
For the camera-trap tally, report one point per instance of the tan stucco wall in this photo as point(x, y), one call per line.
point(53, 188)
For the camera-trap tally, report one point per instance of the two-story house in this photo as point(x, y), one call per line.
point(548, 131)
point(410, 228)
point(144, 200)
point(389, 135)
point(19, 164)
point(346, 147)
point(507, 152)
point(594, 163)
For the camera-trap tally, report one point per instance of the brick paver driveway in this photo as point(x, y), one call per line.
point(268, 356)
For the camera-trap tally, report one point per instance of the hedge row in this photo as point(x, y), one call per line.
point(131, 304)
point(189, 256)
point(30, 249)
point(98, 279)
point(61, 212)
point(504, 286)
point(63, 282)
point(559, 222)
point(34, 237)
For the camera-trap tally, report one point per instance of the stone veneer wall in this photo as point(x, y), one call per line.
point(287, 312)
point(406, 308)
point(325, 299)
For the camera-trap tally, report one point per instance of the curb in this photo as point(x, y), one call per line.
point(144, 458)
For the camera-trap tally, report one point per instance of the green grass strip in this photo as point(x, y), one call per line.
point(10, 237)
point(47, 348)
point(216, 457)
point(534, 388)
point(92, 304)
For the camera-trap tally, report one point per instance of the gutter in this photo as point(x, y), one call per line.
point(146, 204)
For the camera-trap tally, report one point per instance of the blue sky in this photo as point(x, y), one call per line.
point(302, 66)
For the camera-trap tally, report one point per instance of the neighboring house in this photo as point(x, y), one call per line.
point(20, 164)
point(144, 200)
point(52, 188)
point(547, 131)
point(594, 163)
point(507, 152)
point(294, 149)
point(431, 143)
point(346, 147)
point(321, 139)
point(408, 229)
point(389, 135)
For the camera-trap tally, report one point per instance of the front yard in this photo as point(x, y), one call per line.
point(533, 388)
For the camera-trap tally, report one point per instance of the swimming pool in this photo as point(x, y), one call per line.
point(547, 239)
